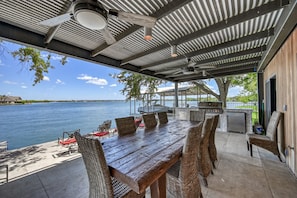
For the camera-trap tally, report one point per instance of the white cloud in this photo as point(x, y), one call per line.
point(58, 81)
point(113, 85)
point(92, 80)
point(10, 82)
point(46, 78)
point(1, 62)
point(24, 87)
point(234, 91)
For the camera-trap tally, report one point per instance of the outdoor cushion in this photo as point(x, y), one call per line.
point(68, 141)
point(101, 133)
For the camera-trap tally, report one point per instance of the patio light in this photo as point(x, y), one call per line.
point(148, 33)
point(173, 51)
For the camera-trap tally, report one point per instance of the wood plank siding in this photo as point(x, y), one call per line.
point(284, 67)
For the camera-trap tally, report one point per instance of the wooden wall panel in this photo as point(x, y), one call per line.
point(284, 67)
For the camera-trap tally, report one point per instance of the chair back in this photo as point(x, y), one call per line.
point(206, 129)
point(100, 184)
point(205, 166)
point(213, 129)
point(197, 115)
point(125, 125)
point(69, 134)
point(272, 125)
point(189, 162)
point(149, 120)
point(163, 118)
point(212, 147)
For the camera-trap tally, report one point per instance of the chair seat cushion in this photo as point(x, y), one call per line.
point(101, 133)
point(250, 136)
point(259, 140)
point(141, 125)
point(68, 141)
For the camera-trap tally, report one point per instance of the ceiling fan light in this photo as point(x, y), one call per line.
point(148, 33)
point(90, 19)
point(173, 51)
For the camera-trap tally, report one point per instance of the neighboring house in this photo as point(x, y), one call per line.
point(10, 99)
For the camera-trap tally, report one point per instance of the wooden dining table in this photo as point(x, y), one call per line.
point(141, 160)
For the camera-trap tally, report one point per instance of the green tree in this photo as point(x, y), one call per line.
point(134, 82)
point(32, 58)
point(223, 84)
point(247, 81)
point(249, 84)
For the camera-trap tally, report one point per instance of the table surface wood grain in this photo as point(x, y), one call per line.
point(142, 158)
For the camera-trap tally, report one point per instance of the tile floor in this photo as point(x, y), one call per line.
point(237, 175)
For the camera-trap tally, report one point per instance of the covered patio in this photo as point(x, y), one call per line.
point(191, 40)
point(237, 175)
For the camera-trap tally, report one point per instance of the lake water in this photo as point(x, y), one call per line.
point(29, 124)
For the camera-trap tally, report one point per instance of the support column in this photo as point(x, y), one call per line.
point(260, 98)
point(176, 94)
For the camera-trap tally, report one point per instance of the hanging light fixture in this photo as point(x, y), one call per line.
point(203, 73)
point(173, 51)
point(148, 33)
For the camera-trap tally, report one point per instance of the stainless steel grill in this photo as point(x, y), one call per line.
point(211, 107)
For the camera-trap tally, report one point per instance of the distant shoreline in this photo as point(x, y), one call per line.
point(48, 101)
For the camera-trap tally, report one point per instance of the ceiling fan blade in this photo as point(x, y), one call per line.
point(177, 72)
point(174, 74)
point(138, 19)
point(191, 64)
point(108, 36)
point(56, 20)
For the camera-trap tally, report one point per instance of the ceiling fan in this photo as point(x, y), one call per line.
point(92, 14)
point(196, 65)
point(192, 68)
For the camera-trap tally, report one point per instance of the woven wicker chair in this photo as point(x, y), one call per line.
point(205, 167)
point(163, 118)
point(101, 184)
point(212, 147)
point(149, 120)
point(181, 178)
point(268, 141)
point(105, 126)
point(197, 115)
point(125, 125)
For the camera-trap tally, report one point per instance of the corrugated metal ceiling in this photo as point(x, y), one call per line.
point(232, 35)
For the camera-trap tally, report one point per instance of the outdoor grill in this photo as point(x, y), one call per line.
point(211, 107)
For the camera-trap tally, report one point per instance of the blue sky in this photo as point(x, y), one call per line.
point(76, 80)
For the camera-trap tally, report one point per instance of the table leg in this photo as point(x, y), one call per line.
point(158, 188)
